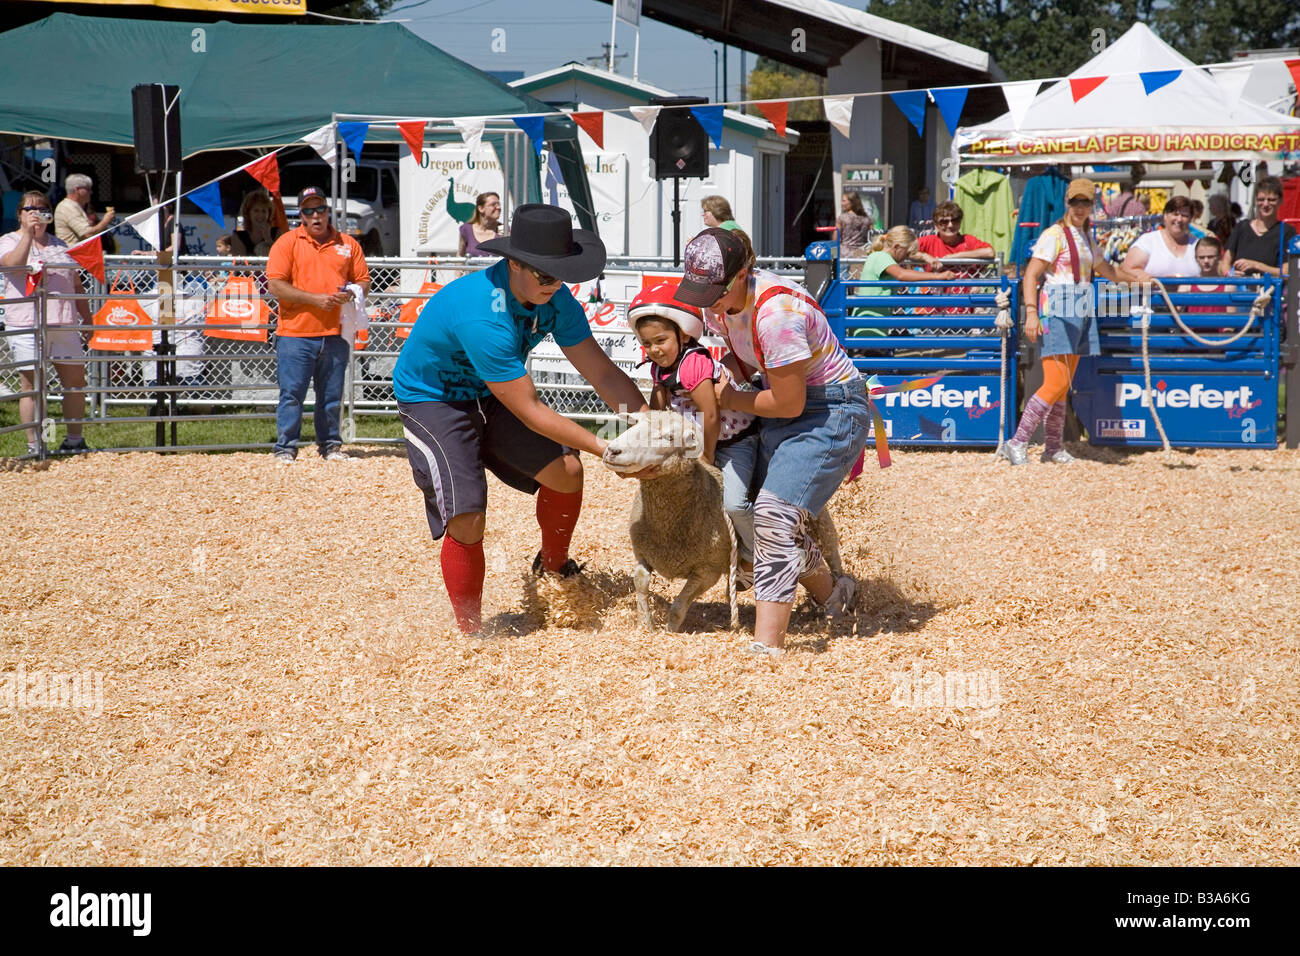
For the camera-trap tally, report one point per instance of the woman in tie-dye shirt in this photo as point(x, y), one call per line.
point(814, 413)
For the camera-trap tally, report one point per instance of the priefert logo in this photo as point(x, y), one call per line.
point(1197, 396)
point(939, 395)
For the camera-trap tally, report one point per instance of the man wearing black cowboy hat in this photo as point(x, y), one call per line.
point(468, 404)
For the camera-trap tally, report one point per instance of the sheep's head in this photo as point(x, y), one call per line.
point(654, 438)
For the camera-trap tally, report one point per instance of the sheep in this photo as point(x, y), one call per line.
point(678, 527)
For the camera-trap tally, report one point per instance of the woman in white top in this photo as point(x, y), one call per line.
point(1168, 252)
point(27, 251)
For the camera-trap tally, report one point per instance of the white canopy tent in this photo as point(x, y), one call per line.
point(1192, 116)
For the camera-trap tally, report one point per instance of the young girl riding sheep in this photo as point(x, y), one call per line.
point(684, 374)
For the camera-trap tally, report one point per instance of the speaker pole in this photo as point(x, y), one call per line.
point(677, 222)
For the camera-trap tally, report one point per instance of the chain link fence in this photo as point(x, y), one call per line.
point(170, 348)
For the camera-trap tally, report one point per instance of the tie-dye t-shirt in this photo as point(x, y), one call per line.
point(790, 329)
point(1052, 248)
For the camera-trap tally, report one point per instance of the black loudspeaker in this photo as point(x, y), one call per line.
point(156, 114)
point(679, 145)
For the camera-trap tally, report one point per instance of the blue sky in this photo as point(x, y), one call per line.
point(539, 36)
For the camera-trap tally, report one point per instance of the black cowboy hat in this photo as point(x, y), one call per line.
point(543, 237)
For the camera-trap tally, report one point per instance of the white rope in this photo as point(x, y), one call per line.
point(1005, 325)
point(732, 570)
point(1144, 312)
point(1257, 309)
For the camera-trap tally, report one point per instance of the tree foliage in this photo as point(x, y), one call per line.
point(1039, 38)
point(772, 80)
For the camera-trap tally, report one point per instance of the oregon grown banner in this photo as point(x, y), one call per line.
point(286, 7)
point(1121, 145)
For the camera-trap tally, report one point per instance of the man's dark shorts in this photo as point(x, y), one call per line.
point(449, 444)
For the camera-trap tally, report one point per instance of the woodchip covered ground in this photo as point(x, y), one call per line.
point(1094, 664)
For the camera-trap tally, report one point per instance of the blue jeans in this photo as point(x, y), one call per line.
point(299, 362)
point(737, 461)
point(807, 458)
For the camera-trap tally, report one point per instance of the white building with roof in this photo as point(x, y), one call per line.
point(636, 220)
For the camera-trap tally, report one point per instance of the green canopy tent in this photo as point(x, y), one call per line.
point(253, 85)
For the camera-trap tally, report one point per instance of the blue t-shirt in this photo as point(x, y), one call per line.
point(474, 331)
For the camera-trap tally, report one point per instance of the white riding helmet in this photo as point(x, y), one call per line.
point(658, 302)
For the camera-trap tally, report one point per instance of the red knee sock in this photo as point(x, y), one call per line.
point(462, 573)
point(557, 516)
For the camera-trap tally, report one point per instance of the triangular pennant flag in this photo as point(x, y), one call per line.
point(646, 116)
point(413, 133)
point(534, 126)
point(1019, 97)
point(710, 117)
point(90, 256)
point(554, 178)
point(593, 124)
point(471, 131)
point(1157, 78)
point(912, 103)
point(950, 103)
point(208, 198)
point(1294, 67)
point(776, 112)
point(354, 134)
point(1232, 81)
point(146, 224)
point(839, 110)
point(267, 172)
point(281, 217)
point(1084, 85)
point(323, 142)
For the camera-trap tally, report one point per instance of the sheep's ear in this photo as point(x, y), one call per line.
point(692, 440)
point(628, 418)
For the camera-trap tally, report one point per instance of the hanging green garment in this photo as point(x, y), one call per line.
point(985, 200)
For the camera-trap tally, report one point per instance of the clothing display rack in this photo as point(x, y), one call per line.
point(1116, 236)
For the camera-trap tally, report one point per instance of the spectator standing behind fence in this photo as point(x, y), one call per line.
point(258, 232)
point(468, 404)
point(949, 242)
point(895, 246)
point(921, 212)
point(854, 225)
point(716, 213)
point(74, 219)
point(33, 247)
point(1222, 221)
point(484, 226)
point(309, 271)
point(1255, 244)
point(1166, 252)
point(1064, 313)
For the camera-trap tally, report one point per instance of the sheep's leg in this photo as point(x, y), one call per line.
point(695, 586)
point(828, 539)
point(641, 582)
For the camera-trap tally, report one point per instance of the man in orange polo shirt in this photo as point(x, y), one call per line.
point(309, 270)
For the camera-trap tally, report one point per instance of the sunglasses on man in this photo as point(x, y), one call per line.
point(541, 277)
point(316, 211)
point(947, 221)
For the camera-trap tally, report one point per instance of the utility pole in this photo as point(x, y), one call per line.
point(605, 59)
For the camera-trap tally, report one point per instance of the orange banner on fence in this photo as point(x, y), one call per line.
point(411, 308)
point(116, 321)
point(239, 304)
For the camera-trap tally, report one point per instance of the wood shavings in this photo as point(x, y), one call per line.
point(1092, 664)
